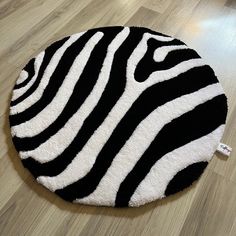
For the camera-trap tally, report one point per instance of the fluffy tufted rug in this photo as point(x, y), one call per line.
point(117, 116)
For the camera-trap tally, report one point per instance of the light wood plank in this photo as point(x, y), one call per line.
point(213, 210)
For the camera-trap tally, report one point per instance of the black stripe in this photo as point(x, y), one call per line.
point(192, 125)
point(81, 90)
point(173, 58)
point(55, 81)
point(146, 103)
point(31, 72)
point(185, 177)
point(114, 89)
point(49, 52)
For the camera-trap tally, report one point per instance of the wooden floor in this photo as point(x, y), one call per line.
point(207, 208)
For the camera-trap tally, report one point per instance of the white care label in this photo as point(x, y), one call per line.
point(224, 149)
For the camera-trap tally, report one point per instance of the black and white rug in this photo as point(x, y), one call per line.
point(117, 116)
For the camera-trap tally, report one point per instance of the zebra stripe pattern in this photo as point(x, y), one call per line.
point(117, 116)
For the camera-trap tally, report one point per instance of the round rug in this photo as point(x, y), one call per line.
point(117, 116)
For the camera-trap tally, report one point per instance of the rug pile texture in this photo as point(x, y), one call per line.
point(117, 116)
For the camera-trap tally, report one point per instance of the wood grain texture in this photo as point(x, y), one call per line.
point(206, 208)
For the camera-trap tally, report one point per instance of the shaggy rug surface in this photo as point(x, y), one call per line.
point(117, 116)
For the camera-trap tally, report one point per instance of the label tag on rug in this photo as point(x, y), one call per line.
point(224, 149)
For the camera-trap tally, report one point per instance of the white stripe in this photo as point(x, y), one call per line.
point(51, 112)
point(161, 52)
point(34, 97)
point(161, 75)
point(154, 184)
point(22, 77)
point(56, 144)
point(20, 91)
point(136, 145)
point(140, 51)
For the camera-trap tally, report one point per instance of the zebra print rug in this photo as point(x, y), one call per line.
point(117, 116)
